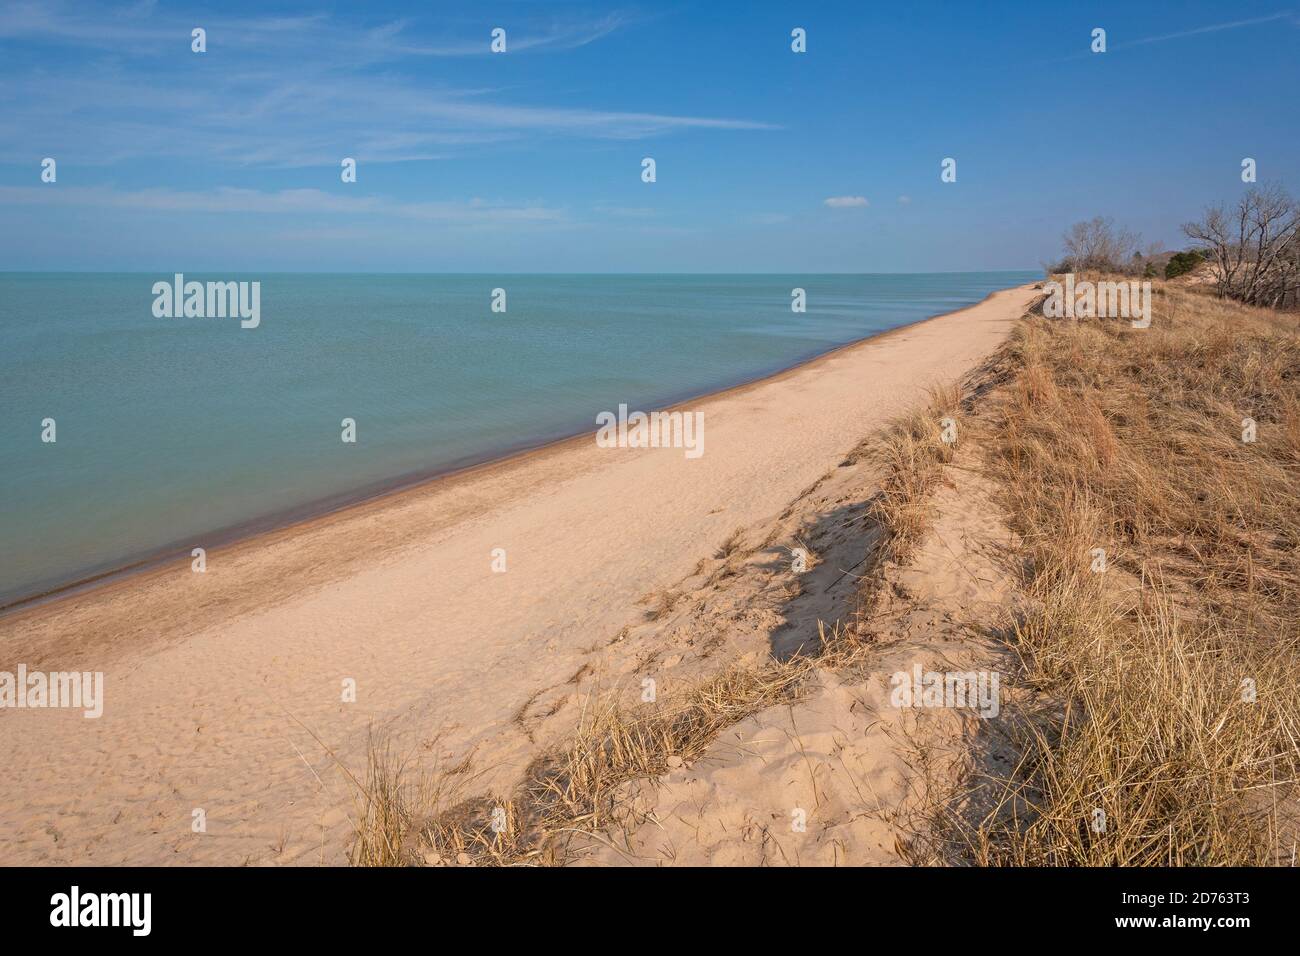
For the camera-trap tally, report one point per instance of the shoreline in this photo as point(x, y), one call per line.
point(321, 510)
point(250, 689)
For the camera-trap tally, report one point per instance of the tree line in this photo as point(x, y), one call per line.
point(1253, 249)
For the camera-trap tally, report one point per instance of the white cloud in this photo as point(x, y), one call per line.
point(904, 200)
point(635, 212)
point(846, 202)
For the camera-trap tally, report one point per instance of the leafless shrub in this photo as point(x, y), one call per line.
point(1097, 245)
point(1254, 248)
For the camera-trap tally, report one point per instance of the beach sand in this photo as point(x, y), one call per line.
point(224, 690)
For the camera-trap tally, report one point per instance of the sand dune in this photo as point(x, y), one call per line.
point(224, 690)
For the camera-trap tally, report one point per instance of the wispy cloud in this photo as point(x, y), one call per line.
point(846, 202)
point(139, 28)
point(143, 28)
point(276, 92)
point(552, 37)
point(475, 212)
point(253, 119)
point(1121, 43)
point(629, 212)
point(1211, 28)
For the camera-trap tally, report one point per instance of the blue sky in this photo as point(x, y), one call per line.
point(531, 160)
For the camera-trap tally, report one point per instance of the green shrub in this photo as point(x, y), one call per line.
point(1182, 262)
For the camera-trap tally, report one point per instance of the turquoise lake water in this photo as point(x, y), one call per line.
point(170, 431)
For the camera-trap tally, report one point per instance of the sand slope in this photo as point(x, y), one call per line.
point(842, 776)
point(223, 690)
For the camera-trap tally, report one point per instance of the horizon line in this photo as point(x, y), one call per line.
point(151, 272)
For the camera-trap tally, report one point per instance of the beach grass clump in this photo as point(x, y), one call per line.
point(911, 454)
point(408, 818)
point(572, 793)
point(1153, 476)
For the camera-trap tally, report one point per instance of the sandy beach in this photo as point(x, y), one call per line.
point(225, 691)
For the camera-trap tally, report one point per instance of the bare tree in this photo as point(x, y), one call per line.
point(1255, 248)
point(1097, 245)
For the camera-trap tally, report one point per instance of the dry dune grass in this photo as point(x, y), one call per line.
point(1169, 731)
point(407, 816)
point(912, 455)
